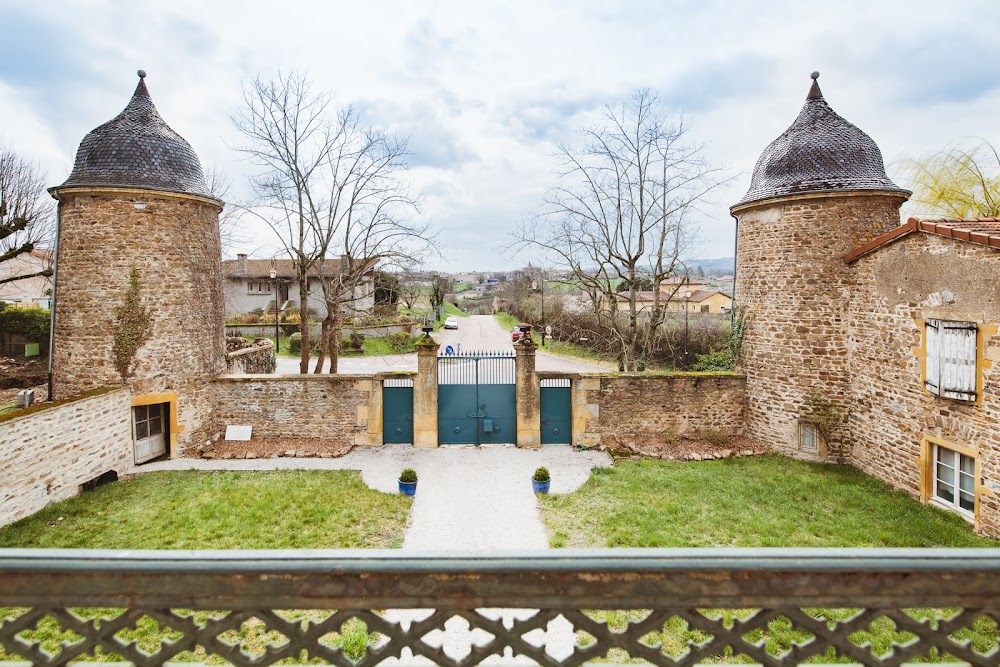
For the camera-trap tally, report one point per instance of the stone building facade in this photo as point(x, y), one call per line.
point(841, 306)
point(137, 198)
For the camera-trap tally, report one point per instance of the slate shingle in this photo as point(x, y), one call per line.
point(137, 149)
point(819, 152)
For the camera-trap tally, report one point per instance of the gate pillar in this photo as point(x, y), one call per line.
point(425, 395)
point(529, 422)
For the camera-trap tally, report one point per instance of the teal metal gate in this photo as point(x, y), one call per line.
point(556, 411)
point(397, 410)
point(477, 398)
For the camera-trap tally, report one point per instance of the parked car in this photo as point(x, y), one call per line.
point(451, 323)
point(515, 333)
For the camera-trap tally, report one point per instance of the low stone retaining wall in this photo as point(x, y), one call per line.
point(257, 360)
point(620, 410)
point(344, 409)
point(49, 451)
point(267, 330)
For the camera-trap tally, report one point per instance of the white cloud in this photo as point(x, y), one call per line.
point(487, 89)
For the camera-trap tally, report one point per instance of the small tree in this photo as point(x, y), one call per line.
point(959, 181)
point(25, 212)
point(133, 327)
point(439, 288)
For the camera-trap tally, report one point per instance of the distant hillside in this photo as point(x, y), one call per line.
point(722, 266)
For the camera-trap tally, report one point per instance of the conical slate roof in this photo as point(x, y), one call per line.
point(820, 152)
point(136, 149)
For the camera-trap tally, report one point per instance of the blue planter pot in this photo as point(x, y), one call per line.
point(407, 488)
point(540, 487)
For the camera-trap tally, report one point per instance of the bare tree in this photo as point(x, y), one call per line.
point(289, 137)
point(26, 218)
point(366, 221)
point(623, 209)
point(959, 181)
point(230, 231)
point(410, 289)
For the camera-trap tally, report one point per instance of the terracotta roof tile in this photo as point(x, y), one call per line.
point(984, 231)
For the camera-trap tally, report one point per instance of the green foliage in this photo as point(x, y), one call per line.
point(32, 322)
point(713, 361)
point(736, 330)
point(295, 343)
point(400, 341)
point(959, 181)
point(132, 327)
point(408, 476)
point(541, 474)
point(824, 414)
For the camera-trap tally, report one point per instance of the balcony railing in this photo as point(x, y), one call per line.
point(666, 607)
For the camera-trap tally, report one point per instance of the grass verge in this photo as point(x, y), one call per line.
point(288, 509)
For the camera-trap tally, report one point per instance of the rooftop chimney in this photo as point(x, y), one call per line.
point(242, 259)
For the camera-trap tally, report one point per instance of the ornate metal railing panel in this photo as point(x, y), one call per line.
point(665, 607)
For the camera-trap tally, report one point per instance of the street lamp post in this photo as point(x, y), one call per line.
point(274, 279)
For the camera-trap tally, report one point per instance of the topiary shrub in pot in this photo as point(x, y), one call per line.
point(540, 480)
point(408, 482)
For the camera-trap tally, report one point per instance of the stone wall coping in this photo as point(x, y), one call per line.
point(41, 407)
point(250, 350)
point(298, 377)
point(671, 375)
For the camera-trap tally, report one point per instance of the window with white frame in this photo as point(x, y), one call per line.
point(808, 437)
point(259, 286)
point(950, 365)
point(954, 480)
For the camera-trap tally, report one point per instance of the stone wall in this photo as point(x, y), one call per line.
point(897, 288)
point(48, 452)
point(794, 286)
point(255, 359)
point(344, 409)
point(173, 242)
point(642, 407)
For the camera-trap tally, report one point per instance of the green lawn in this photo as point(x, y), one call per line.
point(767, 501)
point(214, 510)
point(764, 501)
point(220, 510)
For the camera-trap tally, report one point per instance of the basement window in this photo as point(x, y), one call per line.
point(808, 437)
point(950, 363)
point(954, 481)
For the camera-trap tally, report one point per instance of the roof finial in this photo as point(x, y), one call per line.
point(142, 74)
point(814, 91)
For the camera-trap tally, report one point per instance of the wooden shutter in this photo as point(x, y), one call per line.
point(932, 365)
point(958, 360)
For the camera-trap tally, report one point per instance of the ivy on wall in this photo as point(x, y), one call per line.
point(132, 328)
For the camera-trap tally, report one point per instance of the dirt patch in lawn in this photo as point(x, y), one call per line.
point(21, 373)
point(270, 448)
point(685, 449)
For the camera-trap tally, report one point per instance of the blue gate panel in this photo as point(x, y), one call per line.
point(556, 407)
point(397, 414)
point(477, 398)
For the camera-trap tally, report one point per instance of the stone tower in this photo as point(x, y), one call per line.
point(818, 191)
point(137, 197)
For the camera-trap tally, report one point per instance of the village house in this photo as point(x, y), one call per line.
point(248, 286)
point(34, 291)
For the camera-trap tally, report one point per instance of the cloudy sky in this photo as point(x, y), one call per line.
point(486, 90)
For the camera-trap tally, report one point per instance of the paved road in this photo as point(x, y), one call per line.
point(477, 332)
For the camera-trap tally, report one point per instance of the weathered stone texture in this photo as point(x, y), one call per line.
point(173, 242)
point(256, 360)
point(46, 455)
point(638, 407)
point(795, 288)
point(897, 288)
point(331, 407)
